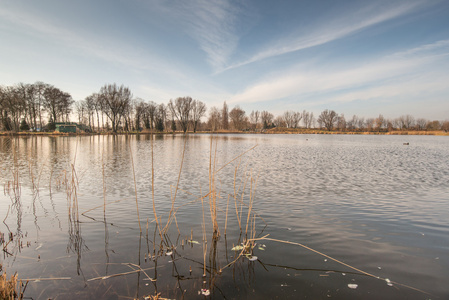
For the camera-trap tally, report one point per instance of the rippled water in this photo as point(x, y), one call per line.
point(370, 202)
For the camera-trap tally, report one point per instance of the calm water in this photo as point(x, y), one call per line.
point(369, 201)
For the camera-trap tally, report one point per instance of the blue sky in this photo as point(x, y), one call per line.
point(355, 57)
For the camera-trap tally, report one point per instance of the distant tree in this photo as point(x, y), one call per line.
point(279, 122)
point(173, 125)
point(24, 125)
point(328, 119)
point(238, 118)
point(266, 118)
point(80, 107)
point(14, 108)
point(406, 121)
point(380, 122)
point(39, 90)
point(225, 117)
point(181, 108)
point(361, 123)
point(341, 122)
point(370, 124)
point(254, 117)
point(286, 119)
point(421, 124)
point(115, 101)
point(307, 118)
point(198, 111)
point(214, 118)
point(352, 123)
point(57, 103)
point(51, 126)
point(445, 126)
point(433, 125)
point(297, 117)
point(160, 117)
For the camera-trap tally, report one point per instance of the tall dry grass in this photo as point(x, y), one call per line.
point(11, 288)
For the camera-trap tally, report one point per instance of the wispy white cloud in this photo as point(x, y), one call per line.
point(85, 43)
point(211, 23)
point(333, 29)
point(388, 76)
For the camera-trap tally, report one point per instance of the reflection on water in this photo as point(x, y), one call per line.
point(69, 212)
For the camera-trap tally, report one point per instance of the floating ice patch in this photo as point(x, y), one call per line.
point(352, 286)
point(388, 282)
point(205, 292)
point(169, 253)
point(252, 258)
point(237, 248)
point(193, 242)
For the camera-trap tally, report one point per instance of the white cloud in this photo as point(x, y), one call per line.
point(392, 75)
point(334, 29)
point(211, 23)
point(99, 47)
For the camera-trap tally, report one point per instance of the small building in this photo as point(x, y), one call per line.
point(66, 127)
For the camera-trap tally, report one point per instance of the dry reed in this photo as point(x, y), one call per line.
point(135, 185)
point(12, 288)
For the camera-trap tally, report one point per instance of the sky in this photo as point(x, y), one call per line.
point(355, 57)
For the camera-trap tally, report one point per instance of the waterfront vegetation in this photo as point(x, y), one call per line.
point(113, 109)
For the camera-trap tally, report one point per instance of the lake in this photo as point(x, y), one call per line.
point(296, 216)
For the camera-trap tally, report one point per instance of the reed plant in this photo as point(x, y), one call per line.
point(11, 288)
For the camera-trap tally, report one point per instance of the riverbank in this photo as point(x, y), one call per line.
point(269, 131)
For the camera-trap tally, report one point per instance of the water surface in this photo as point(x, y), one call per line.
point(369, 201)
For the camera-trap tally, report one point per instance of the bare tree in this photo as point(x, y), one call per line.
point(361, 123)
point(279, 121)
point(341, 122)
point(434, 125)
point(380, 122)
point(254, 117)
point(297, 116)
point(39, 88)
point(181, 108)
point(421, 124)
point(80, 107)
point(238, 118)
point(198, 111)
point(307, 118)
point(13, 108)
point(328, 119)
point(445, 126)
point(214, 118)
point(160, 117)
point(114, 102)
point(140, 112)
point(406, 121)
point(288, 118)
point(225, 117)
point(266, 118)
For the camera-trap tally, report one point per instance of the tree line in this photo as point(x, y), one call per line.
point(113, 108)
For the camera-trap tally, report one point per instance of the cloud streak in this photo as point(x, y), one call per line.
point(334, 30)
point(98, 47)
point(386, 76)
point(211, 23)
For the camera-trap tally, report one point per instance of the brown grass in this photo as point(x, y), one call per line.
point(11, 288)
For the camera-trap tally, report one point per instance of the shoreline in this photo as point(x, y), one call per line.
point(270, 131)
